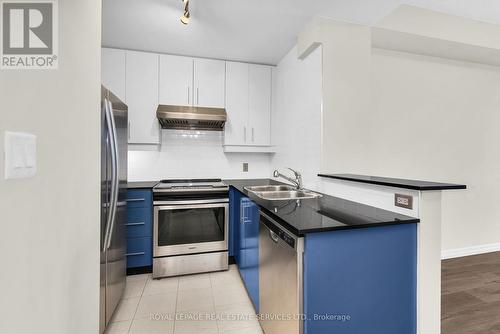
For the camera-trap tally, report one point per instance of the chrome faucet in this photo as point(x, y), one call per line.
point(297, 181)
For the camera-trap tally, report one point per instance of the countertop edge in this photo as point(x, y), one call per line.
point(302, 233)
point(396, 183)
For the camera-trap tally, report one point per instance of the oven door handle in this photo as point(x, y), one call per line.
point(189, 202)
point(158, 208)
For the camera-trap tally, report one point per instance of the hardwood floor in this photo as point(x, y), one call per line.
point(471, 295)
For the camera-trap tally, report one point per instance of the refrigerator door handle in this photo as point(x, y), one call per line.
point(115, 179)
point(110, 204)
point(112, 207)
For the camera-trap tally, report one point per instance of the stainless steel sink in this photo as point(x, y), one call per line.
point(270, 188)
point(287, 195)
point(281, 193)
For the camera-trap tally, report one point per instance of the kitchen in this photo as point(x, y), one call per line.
point(235, 155)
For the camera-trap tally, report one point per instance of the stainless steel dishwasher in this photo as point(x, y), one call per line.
point(280, 278)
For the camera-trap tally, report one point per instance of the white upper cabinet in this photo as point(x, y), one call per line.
point(113, 71)
point(186, 81)
point(176, 80)
point(144, 80)
point(142, 97)
point(236, 103)
point(209, 83)
point(259, 104)
point(248, 104)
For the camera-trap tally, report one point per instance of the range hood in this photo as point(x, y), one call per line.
point(191, 118)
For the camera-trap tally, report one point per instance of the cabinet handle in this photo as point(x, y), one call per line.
point(197, 96)
point(136, 200)
point(252, 136)
point(135, 254)
point(128, 130)
point(243, 216)
point(189, 94)
point(245, 134)
point(135, 224)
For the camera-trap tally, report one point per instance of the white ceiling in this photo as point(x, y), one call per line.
point(249, 30)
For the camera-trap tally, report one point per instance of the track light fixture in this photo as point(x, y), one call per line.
point(185, 17)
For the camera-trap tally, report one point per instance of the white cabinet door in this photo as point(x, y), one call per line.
point(142, 97)
point(176, 80)
point(113, 71)
point(209, 83)
point(259, 109)
point(235, 130)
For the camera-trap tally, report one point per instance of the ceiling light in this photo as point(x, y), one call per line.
point(185, 17)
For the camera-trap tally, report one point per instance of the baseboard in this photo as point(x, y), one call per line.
point(467, 251)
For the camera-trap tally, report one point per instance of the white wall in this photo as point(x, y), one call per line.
point(49, 242)
point(426, 118)
point(439, 119)
point(346, 90)
point(296, 118)
point(194, 154)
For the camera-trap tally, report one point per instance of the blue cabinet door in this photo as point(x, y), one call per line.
point(139, 198)
point(139, 222)
point(234, 220)
point(139, 228)
point(251, 277)
point(245, 205)
point(244, 225)
point(366, 277)
point(139, 252)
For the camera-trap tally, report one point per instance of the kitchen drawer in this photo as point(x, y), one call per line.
point(139, 252)
point(139, 198)
point(139, 223)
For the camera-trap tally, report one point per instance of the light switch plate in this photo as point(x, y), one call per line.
point(20, 155)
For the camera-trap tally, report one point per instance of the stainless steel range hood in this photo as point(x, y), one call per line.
point(191, 118)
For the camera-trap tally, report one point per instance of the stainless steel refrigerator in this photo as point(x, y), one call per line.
point(114, 137)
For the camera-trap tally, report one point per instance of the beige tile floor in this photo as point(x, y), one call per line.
point(214, 303)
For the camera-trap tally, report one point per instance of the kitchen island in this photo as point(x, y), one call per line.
point(355, 266)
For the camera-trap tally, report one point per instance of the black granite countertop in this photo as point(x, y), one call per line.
point(326, 213)
point(397, 183)
point(142, 185)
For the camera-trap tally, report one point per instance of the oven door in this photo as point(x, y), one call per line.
point(190, 228)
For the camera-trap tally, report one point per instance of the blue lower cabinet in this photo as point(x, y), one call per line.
point(361, 281)
point(244, 242)
point(234, 220)
point(139, 252)
point(139, 198)
point(139, 228)
point(251, 261)
point(139, 222)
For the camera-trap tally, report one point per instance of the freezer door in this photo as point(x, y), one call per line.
point(116, 243)
point(105, 203)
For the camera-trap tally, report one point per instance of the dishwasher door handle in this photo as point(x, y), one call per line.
point(274, 236)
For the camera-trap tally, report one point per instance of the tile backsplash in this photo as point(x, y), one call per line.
point(193, 154)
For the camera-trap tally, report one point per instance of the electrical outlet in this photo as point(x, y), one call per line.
point(403, 201)
point(245, 166)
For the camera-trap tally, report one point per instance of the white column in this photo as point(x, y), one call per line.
point(429, 264)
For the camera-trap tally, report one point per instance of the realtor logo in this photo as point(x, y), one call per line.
point(29, 35)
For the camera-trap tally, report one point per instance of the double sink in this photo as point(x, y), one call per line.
point(281, 192)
